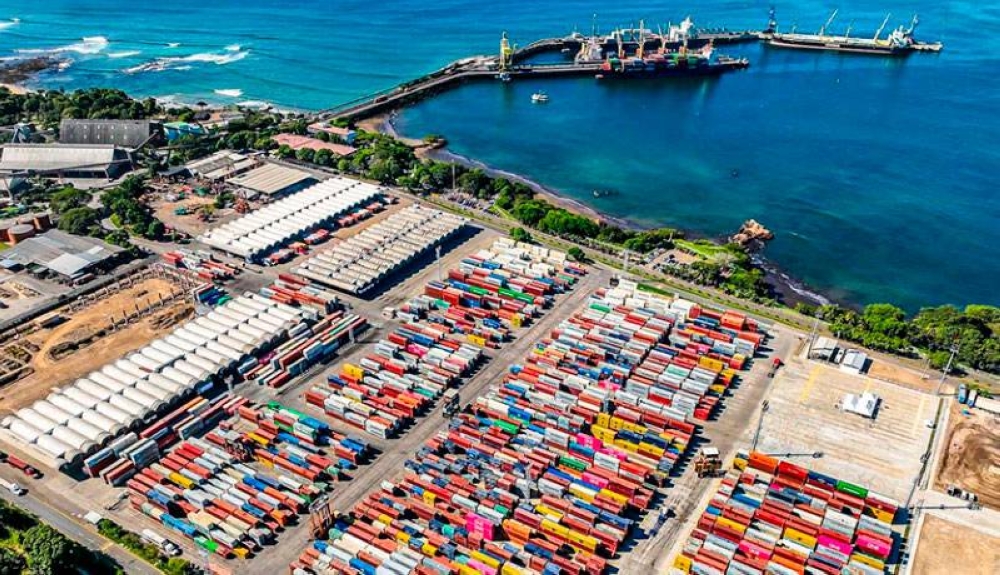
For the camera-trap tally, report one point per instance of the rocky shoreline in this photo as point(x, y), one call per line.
point(14, 73)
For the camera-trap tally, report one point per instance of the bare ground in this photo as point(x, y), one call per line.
point(58, 362)
point(948, 548)
point(971, 457)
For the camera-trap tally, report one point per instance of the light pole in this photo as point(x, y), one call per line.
point(955, 347)
point(760, 424)
point(437, 255)
point(815, 332)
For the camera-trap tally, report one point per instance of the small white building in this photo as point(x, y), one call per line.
point(854, 361)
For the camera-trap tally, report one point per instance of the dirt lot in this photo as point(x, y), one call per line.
point(899, 375)
point(948, 548)
point(971, 456)
point(60, 354)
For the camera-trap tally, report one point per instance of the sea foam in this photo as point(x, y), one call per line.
point(230, 93)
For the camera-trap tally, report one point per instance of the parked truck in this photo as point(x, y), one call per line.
point(12, 487)
point(161, 542)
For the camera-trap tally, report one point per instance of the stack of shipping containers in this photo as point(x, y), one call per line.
point(772, 516)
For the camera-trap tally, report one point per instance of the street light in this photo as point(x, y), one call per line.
point(955, 347)
point(765, 406)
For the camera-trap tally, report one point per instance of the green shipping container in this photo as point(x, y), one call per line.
point(206, 544)
point(508, 427)
point(572, 463)
point(600, 308)
point(851, 489)
point(479, 291)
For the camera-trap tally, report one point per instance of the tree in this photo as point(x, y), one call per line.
point(530, 212)
point(520, 235)
point(11, 563)
point(67, 199)
point(305, 154)
point(154, 230)
point(79, 221)
point(118, 238)
point(285, 151)
point(50, 552)
point(576, 254)
point(323, 157)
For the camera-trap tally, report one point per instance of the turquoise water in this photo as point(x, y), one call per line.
point(875, 174)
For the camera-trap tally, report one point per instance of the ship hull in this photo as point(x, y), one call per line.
point(839, 47)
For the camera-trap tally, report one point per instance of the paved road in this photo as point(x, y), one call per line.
point(50, 508)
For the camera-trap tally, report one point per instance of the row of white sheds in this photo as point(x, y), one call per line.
point(78, 419)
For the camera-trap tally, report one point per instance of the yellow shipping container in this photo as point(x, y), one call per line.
point(429, 498)
point(603, 433)
point(516, 320)
point(385, 519)
point(582, 493)
point(883, 516)
point(241, 552)
point(626, 445)
point(718, 388)
point(403, 537)
point(682, 563)
point(711, 364)
point(465, 569)
point(486, 559)
point(510, 569)
point(614, 496)
point(653, 449)
point(867, 560)
point(740, 463)
point(428, 550)
point(254, 437)
point(800, 537)
point(629, 426)
point(353, 370)
point(180, 480)
point(543, 509)
point(603, 420)
point(553, 527)
point(587, 542)
point(616, 423)
point(730, 524)
point(477, 340)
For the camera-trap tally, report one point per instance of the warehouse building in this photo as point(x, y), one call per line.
point(273, 180)
point(66, 257)
point(121, 133)
point(81, 161)
point(221, 166)
point(284, 221)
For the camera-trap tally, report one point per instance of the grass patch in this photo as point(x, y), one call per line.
point(702, 248)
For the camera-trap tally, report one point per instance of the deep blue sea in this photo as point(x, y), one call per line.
point(878, 176)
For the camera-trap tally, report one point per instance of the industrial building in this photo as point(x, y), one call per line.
point(273, 180)
point(221, 166)
point(80, 418)
point(345, 135)
point(122, 133)
point(285, 220)
point(358, 264)
point(297, 142)
point(82, 161)
point(65, 256)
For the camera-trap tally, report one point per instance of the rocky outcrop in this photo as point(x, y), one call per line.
point(752, 235)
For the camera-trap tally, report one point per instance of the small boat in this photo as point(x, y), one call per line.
point(539, 98)
point(604, 193)
point(504, 77)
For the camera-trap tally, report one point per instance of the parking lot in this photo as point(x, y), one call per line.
point(804, 417)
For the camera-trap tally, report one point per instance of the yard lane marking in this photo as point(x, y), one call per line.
point(918, 416)
point(807, 388)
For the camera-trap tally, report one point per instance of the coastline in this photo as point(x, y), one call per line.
point(788, 290)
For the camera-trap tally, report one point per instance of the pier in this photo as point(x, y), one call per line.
point(511, 63)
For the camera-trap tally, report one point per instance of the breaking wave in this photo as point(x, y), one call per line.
point(125, 54)
point(233, 48)
point(184, 62)
point(9, 23)
point(231, 93)
point(88, 45)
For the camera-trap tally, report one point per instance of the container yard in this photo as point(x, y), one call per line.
point(295, 217)
point(548, 471)
point(358, 264)
point(774, 516)
point(804, 416)
point(73, 422)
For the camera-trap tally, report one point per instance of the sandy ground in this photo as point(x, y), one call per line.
point(14, 88)
point(894, 373)
point(54, 370)
point(189, 223)
point(948, 548)
point(971, 456)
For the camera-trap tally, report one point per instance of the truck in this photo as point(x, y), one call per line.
point(23, 467)
point(161, 542)
point(12, 487)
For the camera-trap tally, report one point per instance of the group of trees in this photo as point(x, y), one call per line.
point(975, 330)
point(48, 107)
point(148, 552)
point(127, 210)
point(30, 546)
point(123, 204)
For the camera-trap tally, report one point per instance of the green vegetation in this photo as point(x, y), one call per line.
point(48, 107)
point(68, 198)
point(146, 551)
point(931, 332)
point(576, 254)
point(126, 209)
point(521, 235)
point(30, 546)
point(81, 221)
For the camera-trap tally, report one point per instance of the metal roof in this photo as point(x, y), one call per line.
point(126, 133)
point(79, 157)
point(221, 165)
point(61, 252)
point(271, 179)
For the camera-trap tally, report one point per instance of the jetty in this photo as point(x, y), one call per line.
point(511, 63)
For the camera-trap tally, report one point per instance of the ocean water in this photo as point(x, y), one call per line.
point(875, 174)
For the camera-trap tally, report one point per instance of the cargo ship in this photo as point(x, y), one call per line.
point(899, 42)
point(703, 62)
